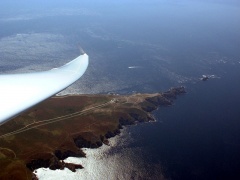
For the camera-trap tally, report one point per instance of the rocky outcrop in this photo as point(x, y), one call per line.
point(110, 134)
point(38, 163)
point(83, 143)
point(34, 176)
point(133, 115)
point(54, 161)
point(61, 155)
point(163, 99)
point(173, 92)
point(123, 121)
point(50, 144)
point(160, 100)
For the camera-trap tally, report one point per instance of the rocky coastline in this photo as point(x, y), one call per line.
point(137, 110)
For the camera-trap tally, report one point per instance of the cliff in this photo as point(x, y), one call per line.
point(60, 126)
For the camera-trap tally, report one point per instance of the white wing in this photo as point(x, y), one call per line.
point(19, 92)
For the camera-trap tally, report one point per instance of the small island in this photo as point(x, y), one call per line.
point(204, 78)
point(59, 127)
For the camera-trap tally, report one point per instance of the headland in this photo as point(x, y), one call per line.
point(59, 127)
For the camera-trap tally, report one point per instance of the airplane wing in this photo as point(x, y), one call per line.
point(19, 92)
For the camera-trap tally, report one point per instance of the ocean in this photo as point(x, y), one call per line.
point(145, 47)
point(198, 137)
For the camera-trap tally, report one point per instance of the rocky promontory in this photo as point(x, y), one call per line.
point(61, 126)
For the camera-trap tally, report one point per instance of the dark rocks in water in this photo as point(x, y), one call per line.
point(117, 131)
point(53, 163)
point(163, 99)
point(125, 121)
point(204, 78)
point(138, 117)
point(83, 143)
point(56, 164)
point(61, 165)
point(109, 134)
point(73, 167)
point(34, 177)
point(178, 90)
point(120, 126)
point(106, 142)
point(65, 154)
point(173, 92)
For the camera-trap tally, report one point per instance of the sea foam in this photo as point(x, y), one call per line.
point(101, 163)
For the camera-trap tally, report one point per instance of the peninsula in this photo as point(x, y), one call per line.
point(59, 127)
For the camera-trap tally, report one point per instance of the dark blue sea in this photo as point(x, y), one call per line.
point(145, 46)
point(199, 136)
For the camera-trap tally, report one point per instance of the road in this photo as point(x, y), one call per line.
point(60, 118)
point(68, 116)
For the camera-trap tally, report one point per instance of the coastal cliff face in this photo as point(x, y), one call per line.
point(59, 127)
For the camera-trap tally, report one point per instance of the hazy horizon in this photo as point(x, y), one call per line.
point(172, 43)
